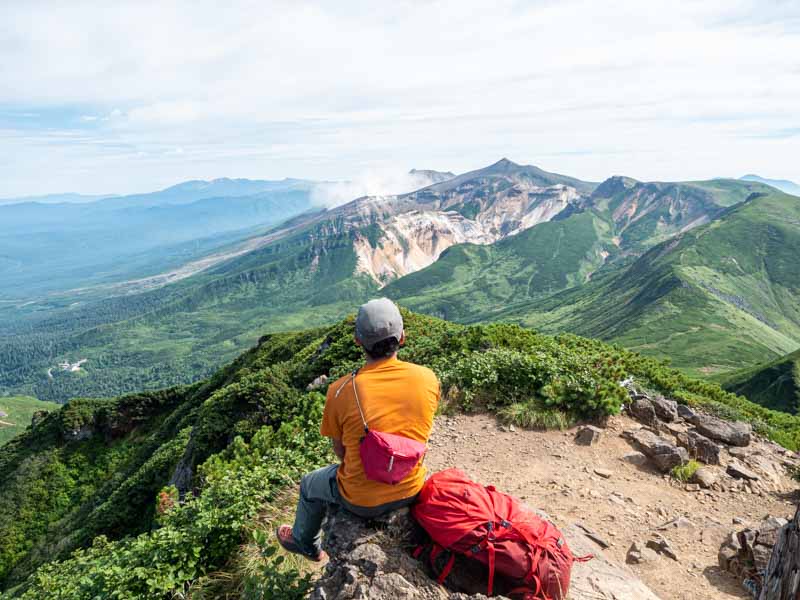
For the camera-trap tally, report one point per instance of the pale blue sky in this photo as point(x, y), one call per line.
point(96, 98)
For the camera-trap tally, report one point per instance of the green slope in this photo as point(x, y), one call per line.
point(86, 485)
point(775, 385)
point(18, 414)
point(183, 332)
point(714, 299)
point(470, 280)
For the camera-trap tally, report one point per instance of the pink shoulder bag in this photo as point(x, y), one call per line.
point(386, 457)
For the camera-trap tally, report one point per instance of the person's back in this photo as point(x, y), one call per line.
point(396, 397)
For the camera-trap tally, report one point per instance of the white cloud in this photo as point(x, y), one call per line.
point(382, 182)
point(657, 90)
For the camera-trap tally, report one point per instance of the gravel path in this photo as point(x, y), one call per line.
point(549, 471)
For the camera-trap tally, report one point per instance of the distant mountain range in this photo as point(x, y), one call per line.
point(56, 199)
point(48, 247)
point(700, 272)
point(784, 185)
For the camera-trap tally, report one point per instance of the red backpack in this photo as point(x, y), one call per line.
point(466, 518)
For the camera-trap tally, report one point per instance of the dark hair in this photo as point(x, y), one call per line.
point(384, 348)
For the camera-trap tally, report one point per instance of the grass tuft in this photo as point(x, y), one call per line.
point(684, 473)
point(258, 560)
point(530, 416)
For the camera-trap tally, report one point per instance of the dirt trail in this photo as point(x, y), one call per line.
point(548, 470)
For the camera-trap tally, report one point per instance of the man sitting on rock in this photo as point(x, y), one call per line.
point(394, 397)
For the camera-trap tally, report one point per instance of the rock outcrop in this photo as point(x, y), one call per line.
point(664, 454)
point(736, 459)
point(700, 447)
point(588, 435)
point(782, 577)
point(373, 561)
point(733, 433)
point(643, 411)
point(666, 410)
point(746, 554)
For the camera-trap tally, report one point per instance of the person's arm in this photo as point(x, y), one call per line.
point(338, 448)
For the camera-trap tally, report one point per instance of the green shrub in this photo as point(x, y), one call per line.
point(684, 473)
point(558, 380)
point(198, 535)
point(276, 580)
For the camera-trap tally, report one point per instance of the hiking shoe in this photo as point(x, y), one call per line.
point(288, 543)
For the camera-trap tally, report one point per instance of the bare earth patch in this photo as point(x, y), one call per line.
point(548, 470)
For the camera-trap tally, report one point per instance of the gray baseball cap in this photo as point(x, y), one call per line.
point(378, 320)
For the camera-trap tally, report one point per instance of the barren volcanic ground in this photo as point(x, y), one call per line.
point(548, 470)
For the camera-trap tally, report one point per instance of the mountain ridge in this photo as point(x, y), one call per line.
point(315, 267)
point(728, 290)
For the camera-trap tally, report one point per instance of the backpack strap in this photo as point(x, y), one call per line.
point(447, 568)
point(358, 404)
point(490, 550)
point(355, 392)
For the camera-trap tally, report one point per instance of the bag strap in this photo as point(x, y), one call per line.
point(355, 392)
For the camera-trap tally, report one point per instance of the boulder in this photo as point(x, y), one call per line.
point(589, 435)
point(738, 452)
point(667, 461)
point(769, 529)
point(78, 434)
point(738, 471)
point(726, 556)
point(660, 544)
point(733, 433)
point(664, 454)
point(684, 412)
point(601, 578)
point(705, 477)
point(368, 560)
point(767, 469)
point(318, 382)
point(666, 410)
point(635, 458)
point(639, 553)
point(675, 429)
point(371, 560)
point(761, 554)
point(699, 447)
point(183, 474)
point(643, 411)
